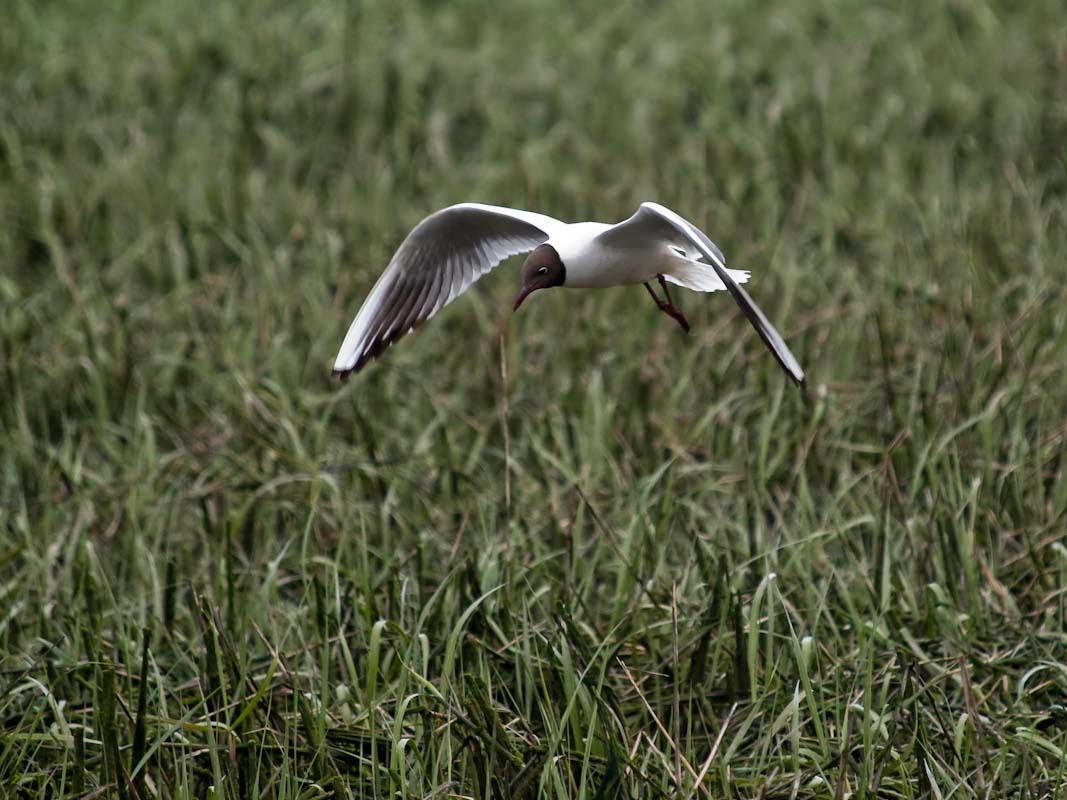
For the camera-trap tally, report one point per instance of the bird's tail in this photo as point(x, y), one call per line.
point(698, 276)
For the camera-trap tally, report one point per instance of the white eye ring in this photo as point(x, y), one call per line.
point(542, 271)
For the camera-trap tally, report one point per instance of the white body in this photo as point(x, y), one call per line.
point(592, 263)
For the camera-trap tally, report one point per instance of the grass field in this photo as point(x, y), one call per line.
point(571, 553)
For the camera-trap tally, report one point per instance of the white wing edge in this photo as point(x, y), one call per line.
point(550, 225)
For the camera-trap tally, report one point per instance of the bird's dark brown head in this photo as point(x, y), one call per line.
point(542, 269)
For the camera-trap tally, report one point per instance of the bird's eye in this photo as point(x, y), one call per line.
point(542, 271)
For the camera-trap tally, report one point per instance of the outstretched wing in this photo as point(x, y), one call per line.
point(439, 259)
point(655, 221)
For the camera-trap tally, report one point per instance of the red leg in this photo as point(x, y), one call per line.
point(668, 307)
point(655, 299)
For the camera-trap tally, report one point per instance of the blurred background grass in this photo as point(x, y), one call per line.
point(639, 565)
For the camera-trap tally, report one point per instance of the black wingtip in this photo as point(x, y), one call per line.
point(347, 372)
point(361, 362)
point(373, 353)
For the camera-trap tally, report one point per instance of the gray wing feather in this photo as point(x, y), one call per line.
point(652, 219)
point(441, 257)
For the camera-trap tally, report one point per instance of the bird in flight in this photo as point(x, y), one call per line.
point(450, 249)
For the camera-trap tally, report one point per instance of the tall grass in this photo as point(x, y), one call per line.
point(571, 553)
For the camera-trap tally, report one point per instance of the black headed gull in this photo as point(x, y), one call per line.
point(452, 248)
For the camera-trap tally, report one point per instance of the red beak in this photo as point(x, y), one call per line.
point(526, 290)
